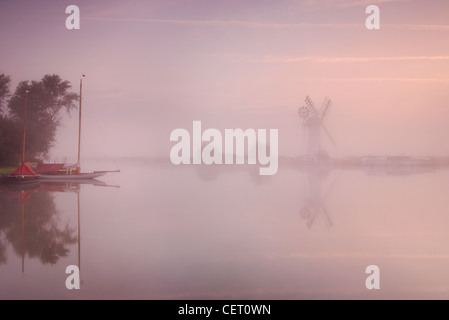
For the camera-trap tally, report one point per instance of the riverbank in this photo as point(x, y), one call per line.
point(4, 172)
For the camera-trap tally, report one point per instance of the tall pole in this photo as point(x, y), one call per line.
point(23, 234)
point(79, 230)
point(24, 129)
point(79, 129)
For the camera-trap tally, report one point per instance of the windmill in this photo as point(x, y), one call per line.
point(313, 123)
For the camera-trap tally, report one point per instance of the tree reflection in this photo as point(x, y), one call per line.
point(2, 252)
point(38, 233)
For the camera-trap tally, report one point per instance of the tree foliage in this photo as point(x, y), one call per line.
point(45, 100)
point(5, 82)
point(10, 141)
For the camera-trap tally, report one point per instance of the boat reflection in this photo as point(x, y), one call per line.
point(35, 232)
point(29, 221)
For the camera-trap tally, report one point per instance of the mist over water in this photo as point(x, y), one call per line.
point(161, 231)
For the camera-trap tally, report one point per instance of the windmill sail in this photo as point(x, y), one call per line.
point(325, 107)
point(312, 109)
point(313, 123)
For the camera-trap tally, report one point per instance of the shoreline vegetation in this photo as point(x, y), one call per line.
point(4, 172)
point(34, 108)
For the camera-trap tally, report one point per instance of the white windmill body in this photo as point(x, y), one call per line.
point(313, 124)
point(314, 136)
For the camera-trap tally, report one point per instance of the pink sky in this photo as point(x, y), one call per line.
point(154, 66)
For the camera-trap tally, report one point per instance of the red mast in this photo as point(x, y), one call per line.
point(79, 129)
point(24, 130)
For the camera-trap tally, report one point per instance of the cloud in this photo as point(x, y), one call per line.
point(271, 25)
point(230, 23)
point(355, 255)
point(422, 27)
point(287, 59)
point(320, 4)
point(344, 4)
point(381, 79)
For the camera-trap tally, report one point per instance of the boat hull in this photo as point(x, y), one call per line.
point(77, 176)
point(22, 179)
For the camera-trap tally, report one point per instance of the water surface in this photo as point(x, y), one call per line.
point(159, 231)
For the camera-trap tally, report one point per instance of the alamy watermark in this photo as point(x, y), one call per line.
point(73, 20)
point(214, 147)
point(373, 280)
point(190, 149)
point(373, 20)
point(73, 280)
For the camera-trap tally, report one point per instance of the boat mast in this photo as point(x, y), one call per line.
point(24, 130)
point(79, 129)
point(79, 229)
point(22, 200)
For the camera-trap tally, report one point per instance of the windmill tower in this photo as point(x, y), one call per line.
point(313, 123)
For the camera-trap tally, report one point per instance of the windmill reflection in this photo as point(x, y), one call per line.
point(314, 202)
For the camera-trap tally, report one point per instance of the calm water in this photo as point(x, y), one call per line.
point(157, 231)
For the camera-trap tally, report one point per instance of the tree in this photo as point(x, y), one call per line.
point(9, 144)
point(46, 99)
point(10, 141)
point(5, 82)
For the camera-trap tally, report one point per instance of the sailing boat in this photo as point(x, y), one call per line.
point(24, 173)
point(69, 172)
